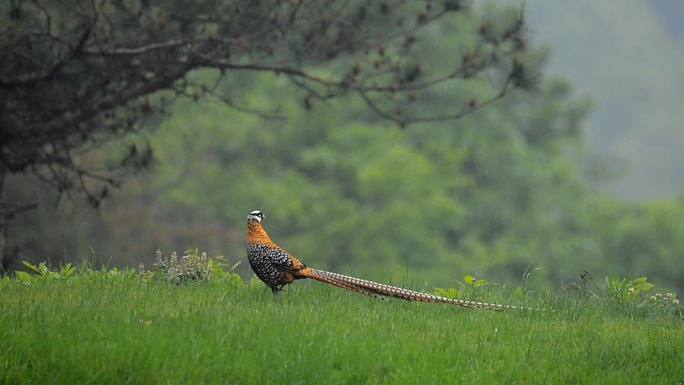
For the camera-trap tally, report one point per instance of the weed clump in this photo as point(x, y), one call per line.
point(191, 267)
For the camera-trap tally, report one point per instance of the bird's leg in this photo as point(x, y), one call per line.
point(276, 292)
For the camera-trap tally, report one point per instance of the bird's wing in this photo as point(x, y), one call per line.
point(283, 261)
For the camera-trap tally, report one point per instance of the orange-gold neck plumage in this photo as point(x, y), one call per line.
point(257, 234)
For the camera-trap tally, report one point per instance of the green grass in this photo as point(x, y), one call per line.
point(120, 329)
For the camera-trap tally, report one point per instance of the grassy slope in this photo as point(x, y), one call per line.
point(96, 330)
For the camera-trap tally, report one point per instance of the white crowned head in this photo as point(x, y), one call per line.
point(256, 215)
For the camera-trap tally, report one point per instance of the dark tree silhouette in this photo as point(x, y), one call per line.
point(76, 74)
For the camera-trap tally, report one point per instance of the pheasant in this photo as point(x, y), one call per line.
point(277, 268)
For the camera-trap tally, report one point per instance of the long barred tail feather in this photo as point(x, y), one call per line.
point(378, 289)
point(315, 274)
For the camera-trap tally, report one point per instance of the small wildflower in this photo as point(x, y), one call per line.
point(675, 301)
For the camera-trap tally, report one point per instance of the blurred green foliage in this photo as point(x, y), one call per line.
point(488, 194)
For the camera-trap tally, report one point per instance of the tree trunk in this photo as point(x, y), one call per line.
point(3, 225)
point(7, 212)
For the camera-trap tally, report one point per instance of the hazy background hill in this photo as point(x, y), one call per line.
point(629, 56)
